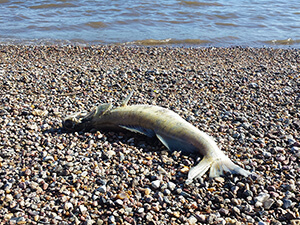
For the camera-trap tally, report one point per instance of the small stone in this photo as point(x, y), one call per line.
point(69, 158)
point(155, 184)
point(247, 193)
point(36, 218)
point(267, 154)
point(192, 220)
point(119, 202)
point(48, 158)
point(220, 179)
point(155, 207)
point(167, 192)
point(60, 146)
point(287, 203)
point(268, 203)
point(296, 151)
point(248, 208)
point(246, 125)
point(33, 185)
point(7, 186)
point(295, 222)
point(290, 215)
point(122, 195)
point(234, 189)
point(184, 169)
point(236, 210)
point(202, 218)
point(253, 85)
point(224, 212)
point(32, 127)
point(27, 172)
point(262, 197)
point(38, 112)
point(100, 222)
point(148, 198)
point(261, 223)
point(84, 174)
point(230, 221)
point(68, 206)
point(258, 204)
point(90, 222)
point(149, 217)
point(176, 214)
point(279, 202)
point(112, 219)
point(102, 189)
point(280, 157)
point(21, 220)
point(147, 191)
point(83, 209)
point(8, 198)
point(8, 216)
point(289, 194)
point(45, 186)
point(141, 210)
point(211, 218)
point(171, 186)
point(110, 153)
point(220, 221)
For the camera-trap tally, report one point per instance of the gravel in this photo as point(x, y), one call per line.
point(247, 98)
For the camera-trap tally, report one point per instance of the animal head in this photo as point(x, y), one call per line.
point(83, 120)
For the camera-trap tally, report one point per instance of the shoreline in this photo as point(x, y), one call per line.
point(168, 42)
point(248, 99)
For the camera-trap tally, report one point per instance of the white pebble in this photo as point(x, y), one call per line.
point(155, 184)
point(141, 210)
point(68, 206)
point(48, 158)
point(171, 186)
point(83, 209)
point(192, 220)
point(262, 197)
point(102, 189)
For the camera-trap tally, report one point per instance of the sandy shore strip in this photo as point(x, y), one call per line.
point(248, 99)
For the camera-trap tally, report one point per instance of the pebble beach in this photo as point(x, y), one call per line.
point(247, 99)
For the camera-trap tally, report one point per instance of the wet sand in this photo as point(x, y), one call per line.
point(248, 99)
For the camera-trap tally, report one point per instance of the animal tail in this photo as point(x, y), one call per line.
point(217, 168)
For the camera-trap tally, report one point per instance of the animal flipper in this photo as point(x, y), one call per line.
point(124, 103)
point(175, 144)
point(90, 115)
point(138, 129)
point(200, 169)
point(217, 168)
point(102, 109)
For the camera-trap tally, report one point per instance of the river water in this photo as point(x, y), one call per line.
point(253, 23)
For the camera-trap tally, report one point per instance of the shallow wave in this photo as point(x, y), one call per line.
point(226, 16)
point(196, 3)
point(169, 41)
point(96, 25)
point(217, 42)
point(288, 41)
point(44, 41)
point(226, 24)
point(52, 5)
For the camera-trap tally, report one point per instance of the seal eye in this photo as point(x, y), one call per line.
point(68, 124)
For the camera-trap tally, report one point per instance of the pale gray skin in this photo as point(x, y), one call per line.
point(172, 130)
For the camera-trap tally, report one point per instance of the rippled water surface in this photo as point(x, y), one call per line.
point(213, 23)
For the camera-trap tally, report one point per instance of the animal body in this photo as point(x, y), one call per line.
point(171, 129)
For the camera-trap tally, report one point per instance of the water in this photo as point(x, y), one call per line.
point(224, 23)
